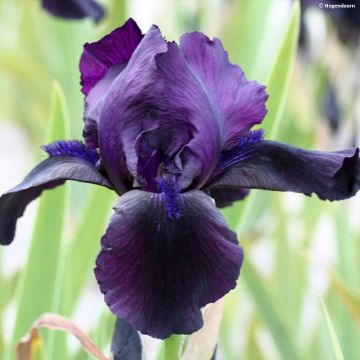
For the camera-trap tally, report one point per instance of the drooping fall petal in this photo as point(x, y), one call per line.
point(163, 257)
point(67, 161)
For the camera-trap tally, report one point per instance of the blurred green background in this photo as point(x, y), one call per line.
point(298, 250)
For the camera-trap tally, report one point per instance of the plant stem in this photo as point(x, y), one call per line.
point(172, 347)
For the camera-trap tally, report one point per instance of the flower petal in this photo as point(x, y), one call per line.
point(101, 62)
point(126, 113)
point(113, 49)
point(74, 9)
point(212, 95)
point(157, 271)
point(48, 174)
point(272, 165)
point(226, 197)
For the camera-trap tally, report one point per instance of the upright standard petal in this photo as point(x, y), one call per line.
point(271, 165)
point(163, 257)
point(62, 165)
point(129, 110)
point(113, 49)
point(74, 9)
point(205, 90)
point(100, 63)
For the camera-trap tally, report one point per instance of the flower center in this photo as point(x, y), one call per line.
point(168, 187)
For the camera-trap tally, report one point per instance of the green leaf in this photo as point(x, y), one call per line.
point(38, 285)
point(86, 241)
point(104, 329)
point(279, 77)
point(270, 313)
point(171, 348)
point(116, 15)
point(334, 340)
point(277, 87)
point(243, 29)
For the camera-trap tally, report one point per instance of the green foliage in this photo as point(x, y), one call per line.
point(38, 292)
point(279, 76)
point(334, 340)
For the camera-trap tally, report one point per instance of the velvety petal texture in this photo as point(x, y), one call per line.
point(101, 62)
point(48, 174)
point(157, 270)
point(272, 165)
point(205, 90)
point(129, 110)
point(74, 9)
point(168, 102)
point(113, 49)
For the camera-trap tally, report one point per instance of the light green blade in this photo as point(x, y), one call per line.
point(243, 29)
point(269, 312)
point(277, 87)
point(86, 244)
point(37, 288)
point(334, 339)
point(280, 74)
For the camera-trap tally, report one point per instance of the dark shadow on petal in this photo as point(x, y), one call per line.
point(48, 174)
point(226, 197)
point(272, 165)
point(156, 272)
point(126, 342)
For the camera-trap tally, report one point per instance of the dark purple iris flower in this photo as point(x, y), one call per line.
point(168, 126)
point(74, 9)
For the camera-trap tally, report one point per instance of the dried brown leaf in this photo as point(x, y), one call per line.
point(25, 348)
point(56, 322)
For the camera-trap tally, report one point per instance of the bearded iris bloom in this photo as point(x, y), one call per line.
point(169, 127)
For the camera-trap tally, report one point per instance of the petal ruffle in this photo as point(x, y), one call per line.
point(126, 112)
point(113, 49)
point(272, 165)
point(48, 174)
point(157, 272)
point(101, 62)
point(213, 95)
point(74, 9)
point(168, 103)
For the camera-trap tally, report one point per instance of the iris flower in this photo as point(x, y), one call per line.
point(74, 9)
point(168, 128)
